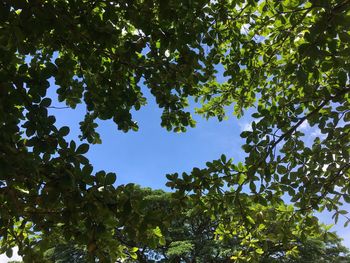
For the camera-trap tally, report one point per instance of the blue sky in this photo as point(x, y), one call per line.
point(145, 156)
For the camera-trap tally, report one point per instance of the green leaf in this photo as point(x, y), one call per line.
point(260, 251)
point(346, 198)
point(250, 219)
point(64, 131)
point(72, 145)
point(100, 176)
point(342, 77)
point(133, 255)
point(110, 178)
point(134, 249)
point(46, 102)
point(281, 169)
point(9, 252)
point(252, 187)
point(223, 158)
point(82, 149)
point(157, 232)
point(162, 241)
point(87, 169)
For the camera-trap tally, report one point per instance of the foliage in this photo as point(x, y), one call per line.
point(193, 237)
point(288, 60)
point(313, 250)
point(291, 66)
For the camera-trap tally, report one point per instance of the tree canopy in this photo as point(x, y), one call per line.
point(191, 236)
point(286, 60)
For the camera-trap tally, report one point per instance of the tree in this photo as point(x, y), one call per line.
point(329, 250)
point(288, 60)
point(193, 237)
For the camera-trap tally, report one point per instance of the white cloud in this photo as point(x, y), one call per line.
point(317, 133)
point(15, 256)
point(311, 131)
point(245, 126)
